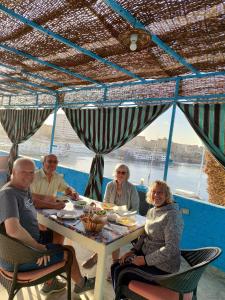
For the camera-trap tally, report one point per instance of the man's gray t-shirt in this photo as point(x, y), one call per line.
point(16, 203)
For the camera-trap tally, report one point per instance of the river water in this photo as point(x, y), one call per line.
point(180, 176)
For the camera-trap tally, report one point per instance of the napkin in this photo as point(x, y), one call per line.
point(117, 228)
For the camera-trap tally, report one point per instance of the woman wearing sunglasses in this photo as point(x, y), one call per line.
point(119, 192)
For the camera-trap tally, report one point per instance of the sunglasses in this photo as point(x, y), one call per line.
point(121, 172)
point(50, 161)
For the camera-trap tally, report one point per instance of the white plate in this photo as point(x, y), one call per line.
point(128, 222)
point(67, 214)
point(63, 198)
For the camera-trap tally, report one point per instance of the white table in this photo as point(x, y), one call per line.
point(98, 243)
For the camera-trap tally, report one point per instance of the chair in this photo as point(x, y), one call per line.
point(143, 205)
point(13, 251)
point(3, 170)
point(178, 286)
point(4, 162)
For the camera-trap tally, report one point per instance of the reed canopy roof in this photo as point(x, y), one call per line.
point(57, 46)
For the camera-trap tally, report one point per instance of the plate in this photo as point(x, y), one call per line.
point(62, 199)
point(67, 214)
point(126, 222)
point(107, 206)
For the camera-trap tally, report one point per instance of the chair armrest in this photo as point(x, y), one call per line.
point(16, 252)
point(40, 253)
point(185, 281)
point(48, 252)
point(146, 276)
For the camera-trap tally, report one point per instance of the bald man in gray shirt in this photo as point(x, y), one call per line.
point(18, 220)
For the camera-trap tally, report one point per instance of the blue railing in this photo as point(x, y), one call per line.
point(204, 225)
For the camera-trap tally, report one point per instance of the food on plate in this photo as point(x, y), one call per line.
point(100, 215)
point(126, 221)
point(91, 208)
point(101, 212)
point(80, 204)
point(107, 206)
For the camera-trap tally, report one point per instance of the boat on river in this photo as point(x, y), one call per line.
point(147, 155)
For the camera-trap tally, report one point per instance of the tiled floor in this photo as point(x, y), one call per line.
point(211, 286)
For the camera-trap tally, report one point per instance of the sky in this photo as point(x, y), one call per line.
point(183, 132)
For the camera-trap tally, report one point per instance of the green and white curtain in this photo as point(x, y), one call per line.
point(103, 130)
point(20, 125)
point(208, 121)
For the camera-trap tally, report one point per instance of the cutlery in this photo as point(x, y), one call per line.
point(77, 222)
point(112, 230)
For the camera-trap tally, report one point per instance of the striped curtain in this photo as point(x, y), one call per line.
point(104, 129)
point(20, 125)
point(208, 121)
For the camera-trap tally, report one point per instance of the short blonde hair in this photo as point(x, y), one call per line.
point(165, 188)
point(123, 166)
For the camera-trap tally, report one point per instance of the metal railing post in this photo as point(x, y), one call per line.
point(53, 125)
point(169, 144)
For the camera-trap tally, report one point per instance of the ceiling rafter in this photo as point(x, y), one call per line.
point(27, 82)
point(18, 86)
point(48, 64)
point(36, 76)
point(68, 42)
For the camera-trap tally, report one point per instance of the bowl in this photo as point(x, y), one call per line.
point(112, 217)
point(80, 204)
point(101, 212)
point(99, 218)
point(90, 209)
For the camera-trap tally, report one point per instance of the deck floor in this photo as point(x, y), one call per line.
point(211, 285)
